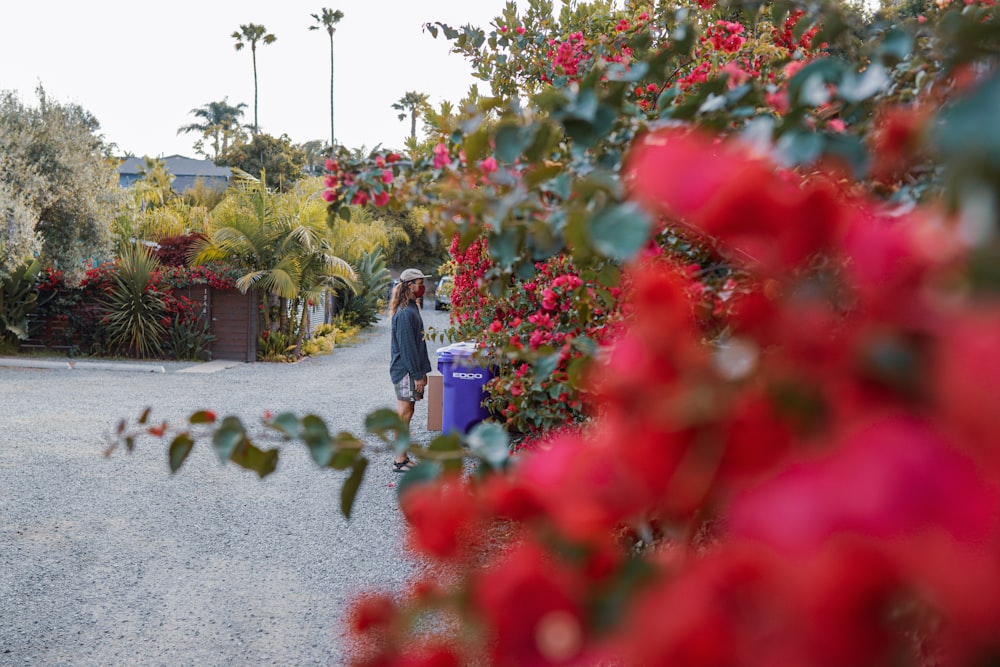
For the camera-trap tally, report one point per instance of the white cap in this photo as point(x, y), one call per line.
point(411, 274)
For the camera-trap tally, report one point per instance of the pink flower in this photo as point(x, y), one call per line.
point(387, 176)
point(489, 165)
point(379, 161)
point(381, 199)
point(441, 157)
point(519, 30)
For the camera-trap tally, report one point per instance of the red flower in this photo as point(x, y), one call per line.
point(532, 610)
point(886, 481)
point(441, 516)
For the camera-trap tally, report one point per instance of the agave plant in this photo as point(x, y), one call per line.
point(134, 307)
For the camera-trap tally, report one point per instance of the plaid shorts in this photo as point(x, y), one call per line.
point(405, 389)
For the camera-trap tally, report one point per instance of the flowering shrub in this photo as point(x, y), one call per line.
point(816, 490)
point(78, 307)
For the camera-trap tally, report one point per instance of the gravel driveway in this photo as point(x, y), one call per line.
point(116, 562)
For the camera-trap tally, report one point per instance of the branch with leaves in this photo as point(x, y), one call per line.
point(234, 442)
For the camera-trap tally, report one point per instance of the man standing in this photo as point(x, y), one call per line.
point(410, 363)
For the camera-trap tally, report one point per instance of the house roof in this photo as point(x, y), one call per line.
point(178, 165)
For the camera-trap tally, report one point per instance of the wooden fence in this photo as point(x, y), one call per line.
point(233, 318)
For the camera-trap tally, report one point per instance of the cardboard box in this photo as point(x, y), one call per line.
point(435, 390)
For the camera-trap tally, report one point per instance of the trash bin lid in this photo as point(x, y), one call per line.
point(456, 350)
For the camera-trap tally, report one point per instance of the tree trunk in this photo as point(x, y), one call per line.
point(333, 136)
point(253, 53)
point(413, 123)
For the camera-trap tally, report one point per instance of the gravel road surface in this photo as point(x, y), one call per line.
point(113, 561)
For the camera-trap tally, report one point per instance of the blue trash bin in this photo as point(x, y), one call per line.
point(462, 383)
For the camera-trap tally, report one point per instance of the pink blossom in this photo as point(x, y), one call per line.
point(441, 157)
point(387, 176)
point(489, 165)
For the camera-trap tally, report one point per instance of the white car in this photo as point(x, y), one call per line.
point(442, 293)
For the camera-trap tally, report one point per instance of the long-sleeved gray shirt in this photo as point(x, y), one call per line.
point(409, 349)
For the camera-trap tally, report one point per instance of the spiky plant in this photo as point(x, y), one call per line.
point(134, 307)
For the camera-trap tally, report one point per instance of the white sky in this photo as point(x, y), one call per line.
point(140, 67)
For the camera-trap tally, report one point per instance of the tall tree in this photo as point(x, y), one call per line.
point(252, 33)
point(411, 104)
point(328, 19)
point(220, 124)
point(59, 178)
point(277, 157)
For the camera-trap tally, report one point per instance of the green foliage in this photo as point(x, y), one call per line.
point(322, 341)
point(279, 160)
point(57, 172)
point(18, 299)
point(275, 346)
point(17, 233)
point(233, 442)
point(134, 307)
point(362, 307)
point(280, 242)
point(189, 339)
point(415, 242)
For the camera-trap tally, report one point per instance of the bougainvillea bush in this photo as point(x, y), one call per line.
point(822, 487)
point(80, 315)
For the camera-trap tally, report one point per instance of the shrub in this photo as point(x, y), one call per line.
point(134, 307)
point(362, 308)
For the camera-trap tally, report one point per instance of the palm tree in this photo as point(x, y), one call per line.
point(328, 19)
point(251, 33)
point(279, 242)
point(220, 124)
point(412, 103)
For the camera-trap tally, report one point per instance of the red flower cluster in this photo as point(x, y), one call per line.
point(842, 436)
point(725, 36)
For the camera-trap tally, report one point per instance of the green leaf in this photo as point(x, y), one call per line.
point(349, 492)
point(422, 473)
point(344, 459)
point(800, 147)
point(383, 421)
point(619, 231)
point(544, 368)
point(631, 74)
point(317, 438)
point(448, 443)
point(808, 86)
point(286, 423)
point(510, 141)
point(180, 447)
point(250, 457)
point(228, 437)
point(857, 87)
point(202, 417)
point(476, 144)
point(489, 442)
point(535, 177)
point(896, 46)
